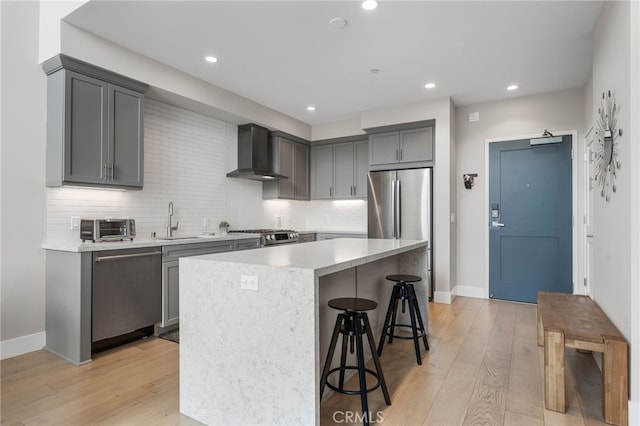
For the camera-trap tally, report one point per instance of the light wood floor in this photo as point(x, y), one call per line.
point(483, 368)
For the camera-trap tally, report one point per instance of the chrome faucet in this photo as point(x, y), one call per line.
point(171, 228)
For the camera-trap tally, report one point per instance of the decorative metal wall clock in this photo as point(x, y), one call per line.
point(607, 164)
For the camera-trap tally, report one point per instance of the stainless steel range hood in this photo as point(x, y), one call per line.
point(253, 154)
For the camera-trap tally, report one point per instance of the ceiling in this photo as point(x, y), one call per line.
point(285, 55)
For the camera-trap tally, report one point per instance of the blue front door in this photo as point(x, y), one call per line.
point(530, 219)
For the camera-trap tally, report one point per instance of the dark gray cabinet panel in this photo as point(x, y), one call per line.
point(340, 170)
point(126, 137)
point(322, 172)
point(86, 117)
point(402, 149)
point(291, 159)
point(94, 131)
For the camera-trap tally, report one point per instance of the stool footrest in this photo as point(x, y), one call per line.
point(419, 332)
point(352, 392)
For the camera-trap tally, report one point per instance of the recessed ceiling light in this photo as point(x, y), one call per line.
point(338, 23)
point(512, 87)
point(211, 59)
point(430, 85)
point(311, 108)
point(374, 70)
point(369, 4)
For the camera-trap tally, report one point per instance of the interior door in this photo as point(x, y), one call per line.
point(530, 219)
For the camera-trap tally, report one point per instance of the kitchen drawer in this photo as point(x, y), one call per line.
point(247, 244)
point(174, 252)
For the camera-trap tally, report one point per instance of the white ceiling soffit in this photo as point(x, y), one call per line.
point(285, 55)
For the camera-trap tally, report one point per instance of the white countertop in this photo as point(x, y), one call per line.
point(141, 242)
point(323, 257)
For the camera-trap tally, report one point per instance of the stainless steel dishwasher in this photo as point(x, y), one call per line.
point(127, 291)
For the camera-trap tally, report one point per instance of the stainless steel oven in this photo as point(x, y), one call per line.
point(272, 237)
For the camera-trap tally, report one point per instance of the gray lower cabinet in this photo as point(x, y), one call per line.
point(333, 235)
point(170, 276)
point(289, 158)
point(306, 238)
point(402, 149)
point(339, 171)
point(94, 126)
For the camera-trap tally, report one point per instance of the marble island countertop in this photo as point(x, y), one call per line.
point(79, 246)
point(255, 325)
point(323, 257)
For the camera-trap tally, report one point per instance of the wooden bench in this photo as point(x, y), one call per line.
point(578, 322)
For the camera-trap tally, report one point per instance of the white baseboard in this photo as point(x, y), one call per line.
point(634, 413)
point(468, 291)
point(22, 345)
point(443, 297)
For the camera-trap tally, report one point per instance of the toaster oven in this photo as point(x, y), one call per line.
point(107, 229)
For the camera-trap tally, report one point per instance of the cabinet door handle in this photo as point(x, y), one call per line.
point(330, 192)
point(104, 168)
point(400, 154)
point(396, 155)
point(354, 190)
point(111, 171)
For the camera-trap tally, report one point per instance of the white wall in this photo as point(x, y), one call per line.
point(634, 132)
point(616, 236)
point(22, 171)
point(513, 117)
point(612, 220)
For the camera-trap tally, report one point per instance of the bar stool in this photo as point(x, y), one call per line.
point(354, 323)
point(403, 290)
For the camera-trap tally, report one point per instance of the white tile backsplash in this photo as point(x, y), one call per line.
point(186, 158)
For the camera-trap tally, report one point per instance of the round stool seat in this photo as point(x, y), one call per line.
point(404, 278)
point(352, 304)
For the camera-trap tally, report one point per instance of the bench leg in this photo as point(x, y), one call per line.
point(540, 329)
point(615, 387)
point(554, 370)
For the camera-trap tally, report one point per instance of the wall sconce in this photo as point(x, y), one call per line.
point(468, 179)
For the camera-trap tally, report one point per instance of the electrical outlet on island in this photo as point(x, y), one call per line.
point(249, 282)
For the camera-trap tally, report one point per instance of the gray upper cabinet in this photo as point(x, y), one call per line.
point(289, 158)
point(402, 149)
point(340, 170)
point(94, 126)
point(322, 172)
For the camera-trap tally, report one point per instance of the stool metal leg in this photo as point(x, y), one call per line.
point(387, 319)
point(392, 326)
point(343, 359)
point(376, 360)
point(332, 348)
point(361, 373)
point(414, 330)
point(419, 315)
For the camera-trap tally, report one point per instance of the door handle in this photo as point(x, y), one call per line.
point(496, 224)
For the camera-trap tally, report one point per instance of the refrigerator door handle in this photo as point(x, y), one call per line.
point(393, 201)
point(399, 211)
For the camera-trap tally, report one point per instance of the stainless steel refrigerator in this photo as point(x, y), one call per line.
point(399, 206)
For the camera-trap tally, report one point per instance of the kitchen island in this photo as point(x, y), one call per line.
point(254, 356)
